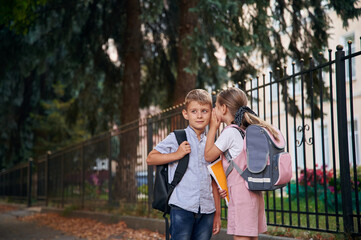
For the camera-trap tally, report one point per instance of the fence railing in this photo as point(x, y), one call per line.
point(314, 106)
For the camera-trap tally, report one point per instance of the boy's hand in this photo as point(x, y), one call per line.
point(215, 122)
point(184, 149)
point(222, 193)
point(216, 225)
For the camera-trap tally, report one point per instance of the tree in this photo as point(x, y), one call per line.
point(186, 80)
point(125, 178)
point(274, 30)
point(64, 43)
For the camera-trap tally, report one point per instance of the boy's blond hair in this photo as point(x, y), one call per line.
point(199, 95)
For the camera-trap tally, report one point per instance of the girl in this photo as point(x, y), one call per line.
point(246, 213)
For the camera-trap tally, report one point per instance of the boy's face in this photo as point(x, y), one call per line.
point(198, 115)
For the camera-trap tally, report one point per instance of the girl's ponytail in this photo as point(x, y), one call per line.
point(245, 117)
point(239, 116)
point(249, 119)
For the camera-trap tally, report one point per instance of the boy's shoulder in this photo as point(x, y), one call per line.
point(190, 133)
point(172, 138)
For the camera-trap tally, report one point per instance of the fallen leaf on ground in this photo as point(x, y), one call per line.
point(7, 208)
point(91, 229)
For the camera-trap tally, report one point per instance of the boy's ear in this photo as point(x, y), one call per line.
point(185, 114)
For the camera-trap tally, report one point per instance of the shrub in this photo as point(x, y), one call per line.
point(313, 181)
point(143, 189)
point(307, 177)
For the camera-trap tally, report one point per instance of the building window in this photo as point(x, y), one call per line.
point(345, 39)
point(296, 79)
point(300, 155)
point(274, 90)
point(255, 100)
point(297, 87)
point(356, 140)
point(325, 146)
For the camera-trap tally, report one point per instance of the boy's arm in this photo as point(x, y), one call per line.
point(217, 202)
point(157, 158)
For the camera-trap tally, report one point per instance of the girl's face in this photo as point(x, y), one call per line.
point(219, 110)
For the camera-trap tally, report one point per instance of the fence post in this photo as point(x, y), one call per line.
point(150, 168)
point(82, 184)
point(62, 179)
point(30, 183)
point(343, 140)
point(110, 180)
point(47, 178)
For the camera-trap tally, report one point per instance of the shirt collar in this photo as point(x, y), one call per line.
point(194, 134)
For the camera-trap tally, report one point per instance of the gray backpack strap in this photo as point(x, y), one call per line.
point(232, 164)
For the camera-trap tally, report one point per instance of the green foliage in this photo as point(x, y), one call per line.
point(58, 85)
point(321, 183)
point(143, 189)
point(19, 15)
point(51, 131)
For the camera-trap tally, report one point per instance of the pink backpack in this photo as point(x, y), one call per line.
point(269, 166)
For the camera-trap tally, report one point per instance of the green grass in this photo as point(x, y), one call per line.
point(303, 215)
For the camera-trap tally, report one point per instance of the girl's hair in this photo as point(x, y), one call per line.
point(198, 95)
point(234, 98)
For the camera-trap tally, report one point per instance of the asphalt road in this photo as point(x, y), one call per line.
point(13, 229)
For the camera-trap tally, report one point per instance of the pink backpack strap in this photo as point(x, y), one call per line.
point(237, 127)
point(231, 125)
point(232, 165)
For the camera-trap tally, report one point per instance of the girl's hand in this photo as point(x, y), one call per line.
point(183, 149)
point(222, 193)
point(215, 122)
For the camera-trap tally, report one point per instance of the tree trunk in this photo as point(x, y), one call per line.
point(131, 81)
point(185, 81)
point(125, 184)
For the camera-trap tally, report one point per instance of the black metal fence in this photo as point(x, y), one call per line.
point(320, 124)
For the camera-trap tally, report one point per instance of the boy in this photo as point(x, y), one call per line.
point(195, 202)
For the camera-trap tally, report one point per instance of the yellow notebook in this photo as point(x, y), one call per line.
point(216, 170)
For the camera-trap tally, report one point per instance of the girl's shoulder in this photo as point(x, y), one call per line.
point(230, 139)
point(232, 132)
point(232, 129)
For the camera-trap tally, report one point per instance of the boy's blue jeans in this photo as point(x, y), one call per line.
point(185, 225)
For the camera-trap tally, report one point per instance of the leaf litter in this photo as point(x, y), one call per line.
point(91, 229)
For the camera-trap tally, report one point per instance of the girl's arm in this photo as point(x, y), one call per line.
point(157, 158)
point(211, 151)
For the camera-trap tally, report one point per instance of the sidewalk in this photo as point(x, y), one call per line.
point(11, 227)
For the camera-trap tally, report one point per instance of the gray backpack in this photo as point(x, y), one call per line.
point(269, 166)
